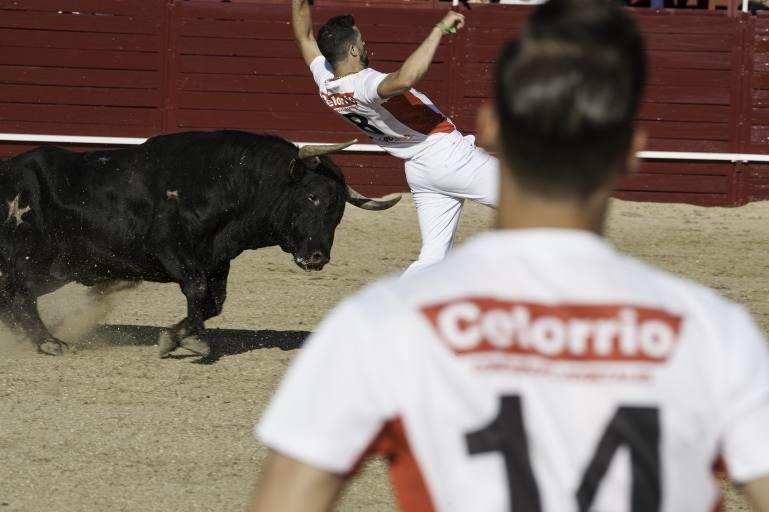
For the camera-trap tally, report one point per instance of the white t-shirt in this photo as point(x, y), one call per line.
point(533, 370)
point(401, 125)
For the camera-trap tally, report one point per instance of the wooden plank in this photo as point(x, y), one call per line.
point(760, 98)
point(480, 73)
point(246, 83)
point(79, 40)
point(759, 116)
point(299, 104)
point(480, 53)
point(83, 23)
point(263, 29)
point(490, 37)
point(79, 114)
point(759, 80)
point(676, 183)
point(690, 60)
point(673, 197)
point(378, 177)
point(693, 77)
point(279, 29)
point(369, 160)
point(219, 46)
point(681, 130)
point(694, 24)
point(267, 121)
point(759, 135)
point(649, 112)
point(138, 8)
point(698, 145)
point(683, 167)
point(679, 46)
point(9, 150)
point(714, 43)
point(101, 96)
point(115, 129)
point(365, 14)
point(688, 95)
point(242, 66)
point(757, 170)
point(757, 191)
point(685, 112)
point(70, 58)
point(761, 62)
point(761, 44)
point(80, 77)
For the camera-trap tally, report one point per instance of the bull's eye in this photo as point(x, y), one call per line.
point(313, 199)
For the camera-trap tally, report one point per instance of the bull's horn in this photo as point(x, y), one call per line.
point(311, 150)
point(355, 198)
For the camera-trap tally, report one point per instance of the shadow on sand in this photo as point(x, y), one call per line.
point(223, 342)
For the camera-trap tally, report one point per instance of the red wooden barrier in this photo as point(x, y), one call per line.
point(141, 67)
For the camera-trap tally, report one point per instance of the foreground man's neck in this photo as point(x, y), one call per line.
point(519, 209)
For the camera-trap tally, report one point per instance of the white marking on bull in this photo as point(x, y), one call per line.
point(172, 194)
point(16, 212)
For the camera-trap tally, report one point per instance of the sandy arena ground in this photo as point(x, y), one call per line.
point(111, 427)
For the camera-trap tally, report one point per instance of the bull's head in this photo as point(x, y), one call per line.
point(317, 200)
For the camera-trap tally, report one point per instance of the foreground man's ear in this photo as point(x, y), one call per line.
point(637, 144)
point(487, 136)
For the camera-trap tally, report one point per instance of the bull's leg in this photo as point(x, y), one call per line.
point(200, 307)
point(217, 292)
point(25, 316)
point(195, 290)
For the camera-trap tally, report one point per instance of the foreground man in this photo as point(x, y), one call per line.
point(535, 368)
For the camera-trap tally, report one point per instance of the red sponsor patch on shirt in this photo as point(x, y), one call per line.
point(560, 332)
point(340, 100)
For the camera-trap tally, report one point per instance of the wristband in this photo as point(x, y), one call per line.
point(445, 29)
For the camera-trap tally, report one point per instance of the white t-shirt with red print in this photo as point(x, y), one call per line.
point(533, 371)
point(401, 125)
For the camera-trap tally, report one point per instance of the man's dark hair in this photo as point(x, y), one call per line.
point(336, 37)
point(567, 93)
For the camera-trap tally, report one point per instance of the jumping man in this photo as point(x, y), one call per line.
point(443, 167)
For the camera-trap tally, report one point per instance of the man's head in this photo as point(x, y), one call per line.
point(567, 93)
point(339, 39)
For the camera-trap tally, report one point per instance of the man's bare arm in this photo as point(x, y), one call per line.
point(758, 490)
point(415, 67)
point(301, 21)
point(292, 486)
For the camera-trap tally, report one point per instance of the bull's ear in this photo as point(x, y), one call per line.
point(312, 162)
point(297, 168)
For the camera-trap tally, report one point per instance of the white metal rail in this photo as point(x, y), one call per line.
point(371, 148)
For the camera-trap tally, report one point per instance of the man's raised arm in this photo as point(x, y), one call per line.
point(301, 21)
point(758, 490)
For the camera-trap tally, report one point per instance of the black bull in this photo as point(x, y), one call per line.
point(177, 208)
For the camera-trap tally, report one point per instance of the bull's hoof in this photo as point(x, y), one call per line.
point(52, 347)
point(196, 345)
point(167, 343)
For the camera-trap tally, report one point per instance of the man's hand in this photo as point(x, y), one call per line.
point(453, 20)
point(288, 485)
